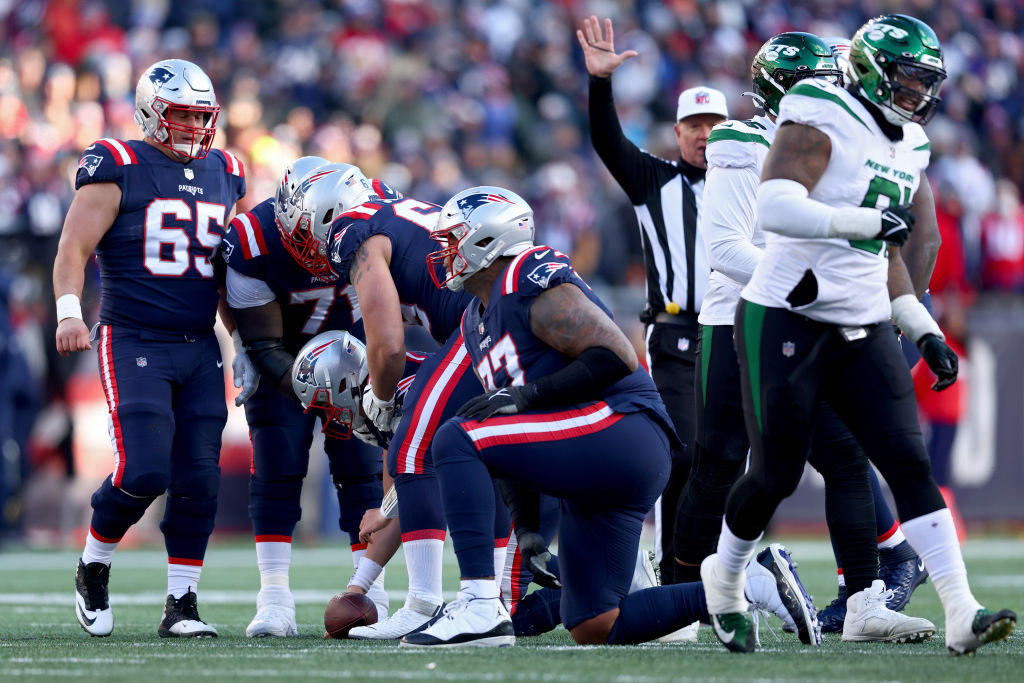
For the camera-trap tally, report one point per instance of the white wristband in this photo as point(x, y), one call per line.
point(913, 318)
point(69, 306)
point(237, 339)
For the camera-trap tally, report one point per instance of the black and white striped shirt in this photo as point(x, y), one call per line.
point(666, 196)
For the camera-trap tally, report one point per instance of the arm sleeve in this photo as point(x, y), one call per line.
point(634, 169)
point(727, 219)
point(245, 291)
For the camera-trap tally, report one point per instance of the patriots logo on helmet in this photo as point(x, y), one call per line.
point(308, 363)
point(474, 201)
point(541, 275)
point(160, 75)
point(308, 182)
point(90, 162)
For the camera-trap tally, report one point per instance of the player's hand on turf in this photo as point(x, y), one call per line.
point(536, 556)
point(941, 360)
point(72, 335)
point(504, 401)
point(599, 48)
point(245, 376)
point(897, 223)
point(372, 522)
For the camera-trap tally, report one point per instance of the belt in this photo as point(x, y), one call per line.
point(665, 318)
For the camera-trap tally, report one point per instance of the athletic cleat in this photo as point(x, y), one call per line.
point(832, 617)
point(723, 594)
point(687, 634)
point(181, 619)
point(986, 627)
point(468, 622)
point(902, 578)
point(379, 595)
point(275, 614)
point(869, 620)
point(414, 616)
point(92, 605)
point(736, 631)
point(645, 574)
point(774, 585)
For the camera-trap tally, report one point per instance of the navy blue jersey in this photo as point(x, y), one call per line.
point(309, 305)
point(407, 224)
point(154, 260)
point(505, 352)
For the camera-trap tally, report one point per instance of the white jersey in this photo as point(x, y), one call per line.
point(865, 168)
point(728, 222)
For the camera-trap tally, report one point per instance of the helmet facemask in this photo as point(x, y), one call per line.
point(891, 90)
point(168, 89)
point(193, 142)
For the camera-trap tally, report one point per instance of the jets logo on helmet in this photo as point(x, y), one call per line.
point(785, 59)
point(541, 275)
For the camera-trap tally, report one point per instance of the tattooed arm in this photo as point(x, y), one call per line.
point(565, 319)
point(370, 275)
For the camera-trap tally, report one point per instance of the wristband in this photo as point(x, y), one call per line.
point(69, 306)
point(913, 318)
point(237, 339)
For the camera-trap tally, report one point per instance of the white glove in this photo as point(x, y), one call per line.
point(385, 415)
point(245, 375)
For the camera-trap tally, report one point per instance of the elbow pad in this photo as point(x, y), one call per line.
point(270, 358)
point(784, 207)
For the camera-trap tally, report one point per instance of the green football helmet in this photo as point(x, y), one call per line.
point(888, 52)
point(786, 59)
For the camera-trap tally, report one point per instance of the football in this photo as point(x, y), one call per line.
point(346, 611)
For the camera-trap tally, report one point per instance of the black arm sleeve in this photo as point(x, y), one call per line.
point(271, 359)
point(584, 379)
point(636, 171)
point(523, 505)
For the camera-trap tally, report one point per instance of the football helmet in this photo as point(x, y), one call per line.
point(327, 376)
point(176, 86)
point(785, 59)
point(476, 227)
point(841, 53)
point(293, 174)
point(320, 196)
point(890, 51)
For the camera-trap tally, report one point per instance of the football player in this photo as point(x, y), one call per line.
point(278, 306)
point(154, 211)
point(379, 247)
point(567, 412)
point(835, 203)
point(736, 150)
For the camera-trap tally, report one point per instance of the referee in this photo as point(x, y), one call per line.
point(666, 197)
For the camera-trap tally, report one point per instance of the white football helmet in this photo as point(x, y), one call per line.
point(174, 85)
point(476, 227)
point(841, 53)
point(326, 377)
point(319, 198)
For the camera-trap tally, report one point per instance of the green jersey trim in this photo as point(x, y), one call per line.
point(718, 135)
point(808, 90)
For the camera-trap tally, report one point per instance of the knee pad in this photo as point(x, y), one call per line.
point(115, 511)
point(149, 484)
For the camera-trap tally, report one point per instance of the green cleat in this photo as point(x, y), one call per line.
point(735, 630)
point(986, 627)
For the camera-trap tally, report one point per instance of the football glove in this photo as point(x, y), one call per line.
point(385, 415)
point(243, 372)
point(941, 360)
point(535, 557)
point(504, 401)
point(367, 432)
point(897, 222)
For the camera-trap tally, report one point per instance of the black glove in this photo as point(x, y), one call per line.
point(536, 556)
point(897, 222)
point(504, 401)
point(941, 360)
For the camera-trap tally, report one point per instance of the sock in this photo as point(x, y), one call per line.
point(892, 537)
point(934, 538)
point(423, 557)
point(885, 521)
point(842, 579)
point(500, 550)
point(479, 588)
point(734, 552)
point(654, 612)
point(366, 573)
point(97, 550)
point(273, 559)
point(537, 613)
point(183, 577)
point(358, 553)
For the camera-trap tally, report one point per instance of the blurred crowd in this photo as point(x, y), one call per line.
point(436, 95)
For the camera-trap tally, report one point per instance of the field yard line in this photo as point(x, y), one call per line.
point(208, 597)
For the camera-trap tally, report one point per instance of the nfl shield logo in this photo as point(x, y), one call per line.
point(702, 97)
point(141, 361)
point(190, 174)
point(683, 343)
point(788, 349)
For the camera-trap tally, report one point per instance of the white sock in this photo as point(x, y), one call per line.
point(734, 552)
point(358, 553)
point(842, 579)
point(480, 588)
point(183, 577)
point(366, 573)
point(891, 540)
point(97, 550)
point(273, 559)
point(933, 537)
point(500, 550)
point(423, 557)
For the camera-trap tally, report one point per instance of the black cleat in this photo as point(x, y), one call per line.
point(181, 619)
point(92, 605)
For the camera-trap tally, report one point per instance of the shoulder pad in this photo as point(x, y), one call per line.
point(535, 270)
point(103, 162)
point(916, 140)
point(246, 232)
point(232, 164)
point(816, 102)
point(348, 232)
point(737, 144)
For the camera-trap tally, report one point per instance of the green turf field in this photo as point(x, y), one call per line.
point(41, 640)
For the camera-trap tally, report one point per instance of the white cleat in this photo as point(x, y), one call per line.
point(977, 628)
point(869, 620)
point(687, 634)
point(415, 615)
point(379, 595)
point(773, 585)
point(275, 614)
point(92, 606)
point(645, 574)
point(468, 622)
